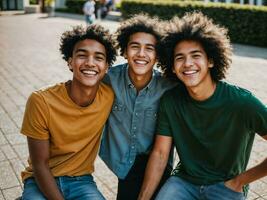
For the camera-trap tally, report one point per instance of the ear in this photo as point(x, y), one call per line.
point(69, 64)
point(125, 54)
point(173, 70)
point(210, 64)
point(106, 71)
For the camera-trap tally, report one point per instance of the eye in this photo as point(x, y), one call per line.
point(178, 58)
point(150, 48)
point(81, 56)
point(99, 58)
point(196, 56)
point(134, 46)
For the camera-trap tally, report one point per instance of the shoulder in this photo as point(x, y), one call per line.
point(115, 73)
point(173, 94)
point(46, 93)
point(117, 69)
point(234, 91)
point(163, 82)
point(106, 91)
point(243, 97)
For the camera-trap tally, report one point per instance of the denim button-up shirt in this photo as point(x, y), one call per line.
point(131, 125)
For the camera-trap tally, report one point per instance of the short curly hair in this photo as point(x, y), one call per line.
point(197, 27)
point(138, 23)
point(96, 32)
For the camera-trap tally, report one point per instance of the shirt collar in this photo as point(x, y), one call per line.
point(150, 85)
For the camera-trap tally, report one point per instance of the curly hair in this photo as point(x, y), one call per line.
point(138, 23)
point(197, 27)
point(96, 32)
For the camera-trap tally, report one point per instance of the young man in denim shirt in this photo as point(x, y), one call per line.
point(129, 132)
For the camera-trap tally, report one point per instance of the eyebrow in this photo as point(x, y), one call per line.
point(80, 50)
point(84, 51)
point(137, 43)
point(191, 52)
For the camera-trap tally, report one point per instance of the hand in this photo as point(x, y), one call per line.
point(234, 185)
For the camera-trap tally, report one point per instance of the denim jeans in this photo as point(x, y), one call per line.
point(77, 187)
point(129, 188)
point(177, 188)
point(89, 19)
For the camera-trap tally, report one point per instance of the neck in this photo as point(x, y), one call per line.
point(201, 93)
point(140, 81)
point(81, 95)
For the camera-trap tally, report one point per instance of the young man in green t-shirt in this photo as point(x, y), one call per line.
point(211, 122)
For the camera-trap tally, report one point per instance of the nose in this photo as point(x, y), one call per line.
point(188, 62)
point(90, 61)
point(141, 52)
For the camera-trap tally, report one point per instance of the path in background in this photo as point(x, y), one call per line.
point(30, 59)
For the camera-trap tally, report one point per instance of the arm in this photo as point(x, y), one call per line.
point(39, 154)
point(155, 166)
point(248, 176)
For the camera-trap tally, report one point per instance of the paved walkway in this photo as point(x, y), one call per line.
point(29, 59)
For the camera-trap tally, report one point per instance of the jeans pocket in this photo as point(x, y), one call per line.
point(230, 189)
point(31, 190)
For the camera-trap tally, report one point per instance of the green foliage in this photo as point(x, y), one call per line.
point(246, 24)
point(75, 6)
point(49, 2)
point(33, 2)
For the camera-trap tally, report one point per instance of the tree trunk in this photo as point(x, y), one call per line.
point(42, 5)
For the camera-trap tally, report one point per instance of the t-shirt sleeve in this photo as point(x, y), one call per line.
point(256, 115)
point(35, 121)
point(163, 125)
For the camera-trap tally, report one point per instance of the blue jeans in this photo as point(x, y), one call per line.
point(77, 187)
point(177, 188)
point(89, 19)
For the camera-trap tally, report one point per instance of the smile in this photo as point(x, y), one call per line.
point(89, 72)
point(141, 62)
point(190, 72)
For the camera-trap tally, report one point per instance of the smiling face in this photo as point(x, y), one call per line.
point(141, 54)
point(88, 63)
point(191, 64)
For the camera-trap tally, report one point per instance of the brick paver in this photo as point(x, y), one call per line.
point(29, 59)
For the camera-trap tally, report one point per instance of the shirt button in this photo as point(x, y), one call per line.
point(131, 161)
point(136, 114)
point(132, 147)
point(134, 128)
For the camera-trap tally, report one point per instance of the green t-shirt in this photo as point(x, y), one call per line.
point(213, 137)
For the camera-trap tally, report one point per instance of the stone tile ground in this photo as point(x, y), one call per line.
point(29, 59)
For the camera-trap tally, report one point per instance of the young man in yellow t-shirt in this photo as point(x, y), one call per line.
point(63, 123)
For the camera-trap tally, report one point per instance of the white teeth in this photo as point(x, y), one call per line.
point(89, 72)
point(140, 62)
point(190, 72)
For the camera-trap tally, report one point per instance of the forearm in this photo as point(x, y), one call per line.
point(248, 176)
point(46, 182)
point(253, 173)
point(39, 154)
point(154, 171)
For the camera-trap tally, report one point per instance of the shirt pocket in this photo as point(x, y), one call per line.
point(150, 121)
point(118, 112)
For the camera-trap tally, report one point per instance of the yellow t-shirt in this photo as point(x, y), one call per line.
point(74, 132)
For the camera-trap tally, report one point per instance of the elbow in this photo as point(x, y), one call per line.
point(162, 158)
point(40, 165)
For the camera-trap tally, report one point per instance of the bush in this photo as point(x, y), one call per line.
point(246, 24)
point(75, 6)
point(33, 2)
